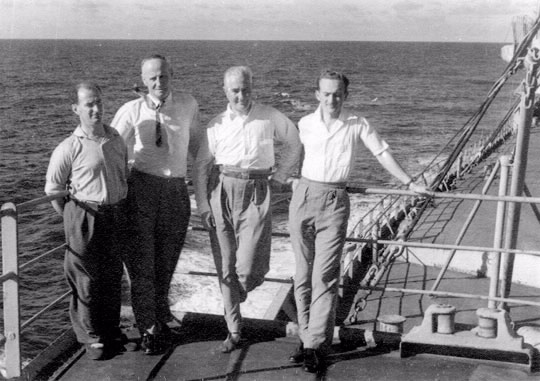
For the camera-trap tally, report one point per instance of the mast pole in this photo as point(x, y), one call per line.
point(519, 168)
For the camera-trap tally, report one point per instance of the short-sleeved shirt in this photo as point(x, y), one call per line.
point(329, 152)
point(90, 169)
point(136, 123)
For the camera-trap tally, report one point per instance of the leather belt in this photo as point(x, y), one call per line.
point(245, 174)
point(94, 207)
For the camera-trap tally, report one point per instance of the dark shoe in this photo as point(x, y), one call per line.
point(312, 361)
point(298, 355)
point(231, 343)
point(151, 344)
point(121, 344)
point(95, 351)
point(170, 335)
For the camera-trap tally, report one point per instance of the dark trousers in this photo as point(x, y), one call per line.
point(159, 210)
point(93, 269)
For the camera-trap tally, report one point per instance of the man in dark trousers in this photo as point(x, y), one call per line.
point(160, 129)
point(92, 165)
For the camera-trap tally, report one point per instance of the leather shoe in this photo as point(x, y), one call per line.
point(95, 351)
point(231, 343)
point(312, 361)
point(298, 355)
point(151, 344)
point(121, 344)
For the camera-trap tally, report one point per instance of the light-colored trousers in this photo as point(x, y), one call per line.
point(318, 216)
point(242, 215)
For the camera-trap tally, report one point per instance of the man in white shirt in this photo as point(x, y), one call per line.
point(160, 129)
point(320, 208)
point(236, 209)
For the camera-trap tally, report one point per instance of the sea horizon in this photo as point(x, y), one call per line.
point(416, 94)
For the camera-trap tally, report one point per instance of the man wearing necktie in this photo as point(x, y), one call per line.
point(159, 128)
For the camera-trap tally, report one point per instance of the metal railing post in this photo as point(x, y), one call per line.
point(519, 168)
point(499, 229)
point(10, 266)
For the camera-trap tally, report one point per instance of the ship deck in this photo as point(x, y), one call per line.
point(195, 354)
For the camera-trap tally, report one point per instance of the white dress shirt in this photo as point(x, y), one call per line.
point(136, 123)
point(329, 152)
point(248, 142)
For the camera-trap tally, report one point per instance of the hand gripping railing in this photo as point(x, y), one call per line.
point(10, 281)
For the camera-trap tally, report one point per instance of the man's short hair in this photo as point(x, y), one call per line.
point(154, 57)
point(332, 74)
point(243, 71)
point(87, 85)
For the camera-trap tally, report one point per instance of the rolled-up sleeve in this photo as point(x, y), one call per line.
point(371, 138)
point(287, 134)
point(59, 169)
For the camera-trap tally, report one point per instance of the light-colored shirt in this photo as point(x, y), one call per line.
point(90, 169)
point(179, 123)
point(329, 152)
point(247, 142)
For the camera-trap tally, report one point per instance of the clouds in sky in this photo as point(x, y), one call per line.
point(394, 20)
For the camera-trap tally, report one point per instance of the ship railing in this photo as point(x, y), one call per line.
point(11, 281)
point(11, 268)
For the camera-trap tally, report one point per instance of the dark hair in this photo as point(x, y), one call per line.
point(88, 85)
point(332, 74)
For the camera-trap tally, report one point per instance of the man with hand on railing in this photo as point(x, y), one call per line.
point(92, 165)
point(319, 211)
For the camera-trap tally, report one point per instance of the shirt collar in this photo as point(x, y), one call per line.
point(232, 115)
point(344, 115)
point(153, 102)
point(109, 132)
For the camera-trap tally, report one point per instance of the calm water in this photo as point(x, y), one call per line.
point(416, 94)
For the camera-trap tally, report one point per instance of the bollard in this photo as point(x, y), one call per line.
point(487, 324)
point(445, 316)
point(391, 323)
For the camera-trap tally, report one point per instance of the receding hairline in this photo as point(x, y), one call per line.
point(152, 57)
point(238, 71)
point(86, 85)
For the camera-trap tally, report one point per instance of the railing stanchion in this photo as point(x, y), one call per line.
point(499, 231)
point(519, 168)
point(11, 290)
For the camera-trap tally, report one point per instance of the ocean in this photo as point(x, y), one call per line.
point(416, 94)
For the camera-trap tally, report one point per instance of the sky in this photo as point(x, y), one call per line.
point(343, 20)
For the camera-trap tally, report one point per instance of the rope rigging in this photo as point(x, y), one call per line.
point(414, 209)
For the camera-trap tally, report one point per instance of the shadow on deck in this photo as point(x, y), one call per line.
point(373, 355)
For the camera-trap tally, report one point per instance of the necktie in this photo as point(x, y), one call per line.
point(160, 135)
